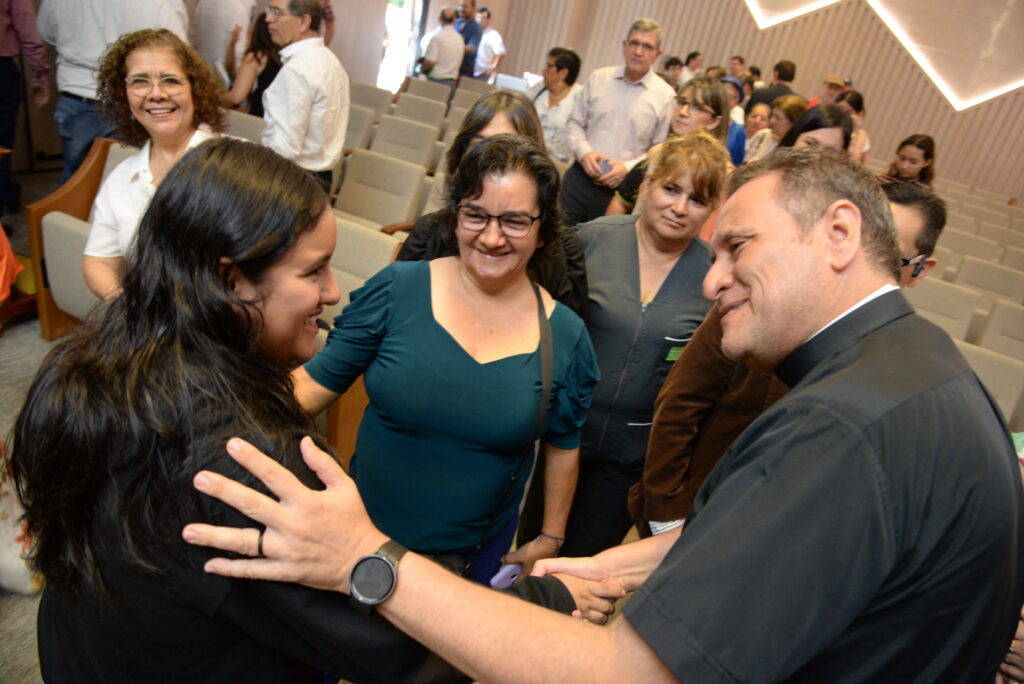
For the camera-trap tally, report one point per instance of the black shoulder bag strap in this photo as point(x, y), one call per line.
point(546, 366)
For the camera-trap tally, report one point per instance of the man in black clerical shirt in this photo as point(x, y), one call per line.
point(866, 527)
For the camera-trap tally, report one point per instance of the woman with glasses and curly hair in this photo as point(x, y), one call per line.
point(160, 94)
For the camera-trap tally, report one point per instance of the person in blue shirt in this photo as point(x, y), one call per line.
point(471, 32)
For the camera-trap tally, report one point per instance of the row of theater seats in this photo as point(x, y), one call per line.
point(976, 293)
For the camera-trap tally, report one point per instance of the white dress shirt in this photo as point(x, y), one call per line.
point(446, 49)
point(123, 199)
point(618, 119)
point(306, 107)
point(553, 119)
point(491, 45)
point(212, 24)
point(82, 30)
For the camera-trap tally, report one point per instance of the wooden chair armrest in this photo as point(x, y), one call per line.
point(395, 227)
point(74, 198)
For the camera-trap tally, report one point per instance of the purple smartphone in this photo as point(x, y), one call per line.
point(506, 576)
point(605, 166)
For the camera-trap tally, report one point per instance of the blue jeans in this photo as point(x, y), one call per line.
point(78, 123)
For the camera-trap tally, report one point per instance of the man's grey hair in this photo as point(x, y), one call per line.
point(646, 25)
point(810, 181)
point(314, 8)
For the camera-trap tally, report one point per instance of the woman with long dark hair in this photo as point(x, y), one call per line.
point(825, 125)
point(257, 71)
point(915, 161)
point(219, 302)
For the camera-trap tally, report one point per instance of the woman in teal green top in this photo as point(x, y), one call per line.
point(450, 352)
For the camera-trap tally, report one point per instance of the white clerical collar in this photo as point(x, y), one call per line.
point(874, 295)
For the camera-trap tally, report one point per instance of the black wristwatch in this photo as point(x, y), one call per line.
point(374, 577)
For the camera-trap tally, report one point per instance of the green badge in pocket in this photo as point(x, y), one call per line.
point(673, 354)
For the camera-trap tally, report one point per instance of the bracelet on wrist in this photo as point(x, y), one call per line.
point(560, 540)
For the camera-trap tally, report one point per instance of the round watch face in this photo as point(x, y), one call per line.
point(373, 579)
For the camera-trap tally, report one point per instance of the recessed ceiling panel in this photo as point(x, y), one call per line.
point(972, 51)
point(771, 12)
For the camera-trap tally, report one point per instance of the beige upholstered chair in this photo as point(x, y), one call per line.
point(949, 306)
point(1013, 257)
point(1007, 237)
point(371, 97)
point(982, 213)
point(465, 98)
point(361, 252)
point(453, 121)
point(1003, 330)
point(360, 121)
point(58, 273)
point(422, 109)
point(991, 280)
point(1003, 377)
point(961, 222)
point(428, 89)
point(971, 245)
point(245, 126)
point(477, 86)
point(379, 190)
point(404, 139)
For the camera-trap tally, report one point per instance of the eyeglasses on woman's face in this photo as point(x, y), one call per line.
point(512, 225)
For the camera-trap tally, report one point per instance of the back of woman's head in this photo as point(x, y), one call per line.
point(516, 106)
point(793, 106)
point(854, 99)
point(815, 118)
point(711, 93)
point(112, 90)
point(260, 42)
point(498, 156)
point(227, 203)
point(697, 153)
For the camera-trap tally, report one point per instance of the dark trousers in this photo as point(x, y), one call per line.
point(79, 122)
point(599, 517)
point(10, 101)
point(582, 199)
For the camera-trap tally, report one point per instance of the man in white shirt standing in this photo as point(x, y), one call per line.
point(81, 31)
point(491, 50)
point(444, 53)
point(306, 107)
point(212, 24)
point(621, 113)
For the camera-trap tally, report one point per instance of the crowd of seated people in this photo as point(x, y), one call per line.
point(524, 375)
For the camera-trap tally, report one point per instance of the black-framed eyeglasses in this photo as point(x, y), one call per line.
point(512, 225)
point(694, 105)
point(914, 260)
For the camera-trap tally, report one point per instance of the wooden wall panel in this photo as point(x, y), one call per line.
point(982, 146)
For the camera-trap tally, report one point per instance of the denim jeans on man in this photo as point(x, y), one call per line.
point(78, 122)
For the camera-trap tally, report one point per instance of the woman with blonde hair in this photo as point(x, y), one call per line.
point(645, 274)
point(786, 109)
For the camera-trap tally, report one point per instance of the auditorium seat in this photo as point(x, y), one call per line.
point(428, 89)
point(360, 122)
point(453, 121)
point(949, 306)
point(1007, 237)
point(476, 85)
point(1003, 377)
point(60, 274)
point(991, 280)
point(404, 139)
point(379, 190)
point(1003, 330)
point(464, 98)
point(967, 244)
point(245, 126)
point(961, 222)
point(422, 109)
point(1013, 257)
point(376, 99)
point(981, 213)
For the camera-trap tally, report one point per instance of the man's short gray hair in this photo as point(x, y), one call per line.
point(646, 25)
point(809, 181)
point(314, 8)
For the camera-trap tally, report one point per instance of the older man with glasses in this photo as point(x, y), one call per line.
point(621, 113)
point(306, 107)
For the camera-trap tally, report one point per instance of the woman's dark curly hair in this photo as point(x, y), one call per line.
point(113, 93)
point(497, 156)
